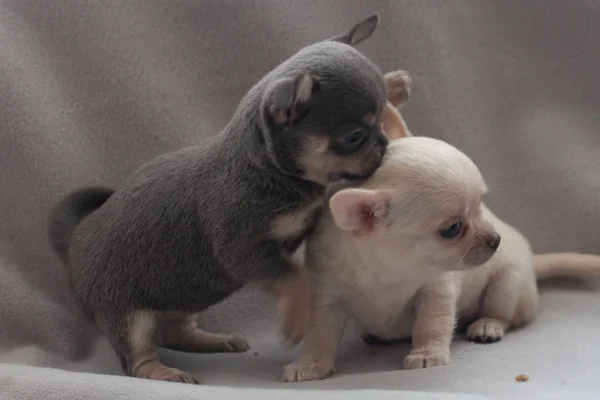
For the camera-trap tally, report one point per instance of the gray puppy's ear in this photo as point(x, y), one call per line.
point(285, 100)
point(361, 31)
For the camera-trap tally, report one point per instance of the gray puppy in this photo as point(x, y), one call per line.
point(192, 226)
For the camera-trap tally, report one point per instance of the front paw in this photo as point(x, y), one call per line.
point(426, 358)
point(486, 330)
point(300, 371)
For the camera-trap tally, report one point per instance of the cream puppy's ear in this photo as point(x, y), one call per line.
point(393, 124)
point(359, 210)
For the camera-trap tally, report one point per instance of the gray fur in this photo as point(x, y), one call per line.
point(69, 212)
point(190, 227)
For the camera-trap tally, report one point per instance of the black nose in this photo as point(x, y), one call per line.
point(493, 241)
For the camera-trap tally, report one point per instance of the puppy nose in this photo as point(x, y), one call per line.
point(492, 241)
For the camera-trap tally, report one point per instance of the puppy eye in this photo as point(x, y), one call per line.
point(452, 231)
point(355, 136)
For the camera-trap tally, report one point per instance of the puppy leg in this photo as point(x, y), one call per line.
point(434, 325)
point(316, 361)
point(528, 302)
point(399, 84)
point(179, 331)
point(294, 304)
point(280, 272)
point(499, 303)
point(132, 337)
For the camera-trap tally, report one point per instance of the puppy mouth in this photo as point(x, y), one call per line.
point(475, 258)
point(373, 163)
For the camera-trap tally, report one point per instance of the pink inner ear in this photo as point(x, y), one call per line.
point(366, 218)
point(358, 210)
point(368, 213)
point(285, 116)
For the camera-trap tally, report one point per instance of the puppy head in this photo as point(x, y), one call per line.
point(422, 204)
point(322, 110)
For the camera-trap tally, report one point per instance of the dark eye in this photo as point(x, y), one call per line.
point(355, 136)
point(452, 231)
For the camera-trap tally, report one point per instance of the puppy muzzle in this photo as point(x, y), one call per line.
point(480, 254)
point(375, 159)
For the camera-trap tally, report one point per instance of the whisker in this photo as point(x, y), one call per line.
point(461, 259)
point(489, 181)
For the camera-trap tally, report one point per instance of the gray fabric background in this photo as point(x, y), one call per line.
point(90, 89)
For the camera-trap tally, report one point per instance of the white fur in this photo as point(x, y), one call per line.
point(402, 279)
point(381, 260)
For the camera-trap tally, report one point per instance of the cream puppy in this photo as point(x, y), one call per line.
point(411, 251)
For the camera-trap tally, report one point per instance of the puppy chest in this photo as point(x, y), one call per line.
point(383, 309)
point(294, 225)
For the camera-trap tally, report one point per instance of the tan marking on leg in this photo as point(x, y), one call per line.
point(179, 331)
point(294, 304)
point(294, 223)
point(144, 363)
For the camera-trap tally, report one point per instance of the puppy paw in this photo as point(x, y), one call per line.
point(236, 344)
point(299, 372)
point(175, 375)
point(399, 85)
point(486, 330)
point(426, 358)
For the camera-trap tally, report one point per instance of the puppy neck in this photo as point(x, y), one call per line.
point(243, 140)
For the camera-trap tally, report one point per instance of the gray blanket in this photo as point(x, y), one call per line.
point(91, 89)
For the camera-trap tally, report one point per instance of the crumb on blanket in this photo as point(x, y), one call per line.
point(521, 378)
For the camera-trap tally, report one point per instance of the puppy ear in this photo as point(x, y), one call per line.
point(399, 84)
point(360, 32)
point(284, 99)
point(358, 210)
point(394, 126)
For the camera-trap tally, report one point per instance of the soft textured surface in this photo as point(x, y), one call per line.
point(89, 90)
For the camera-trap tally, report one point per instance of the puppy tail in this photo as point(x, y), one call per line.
point(552, 265)
point(69, 212)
